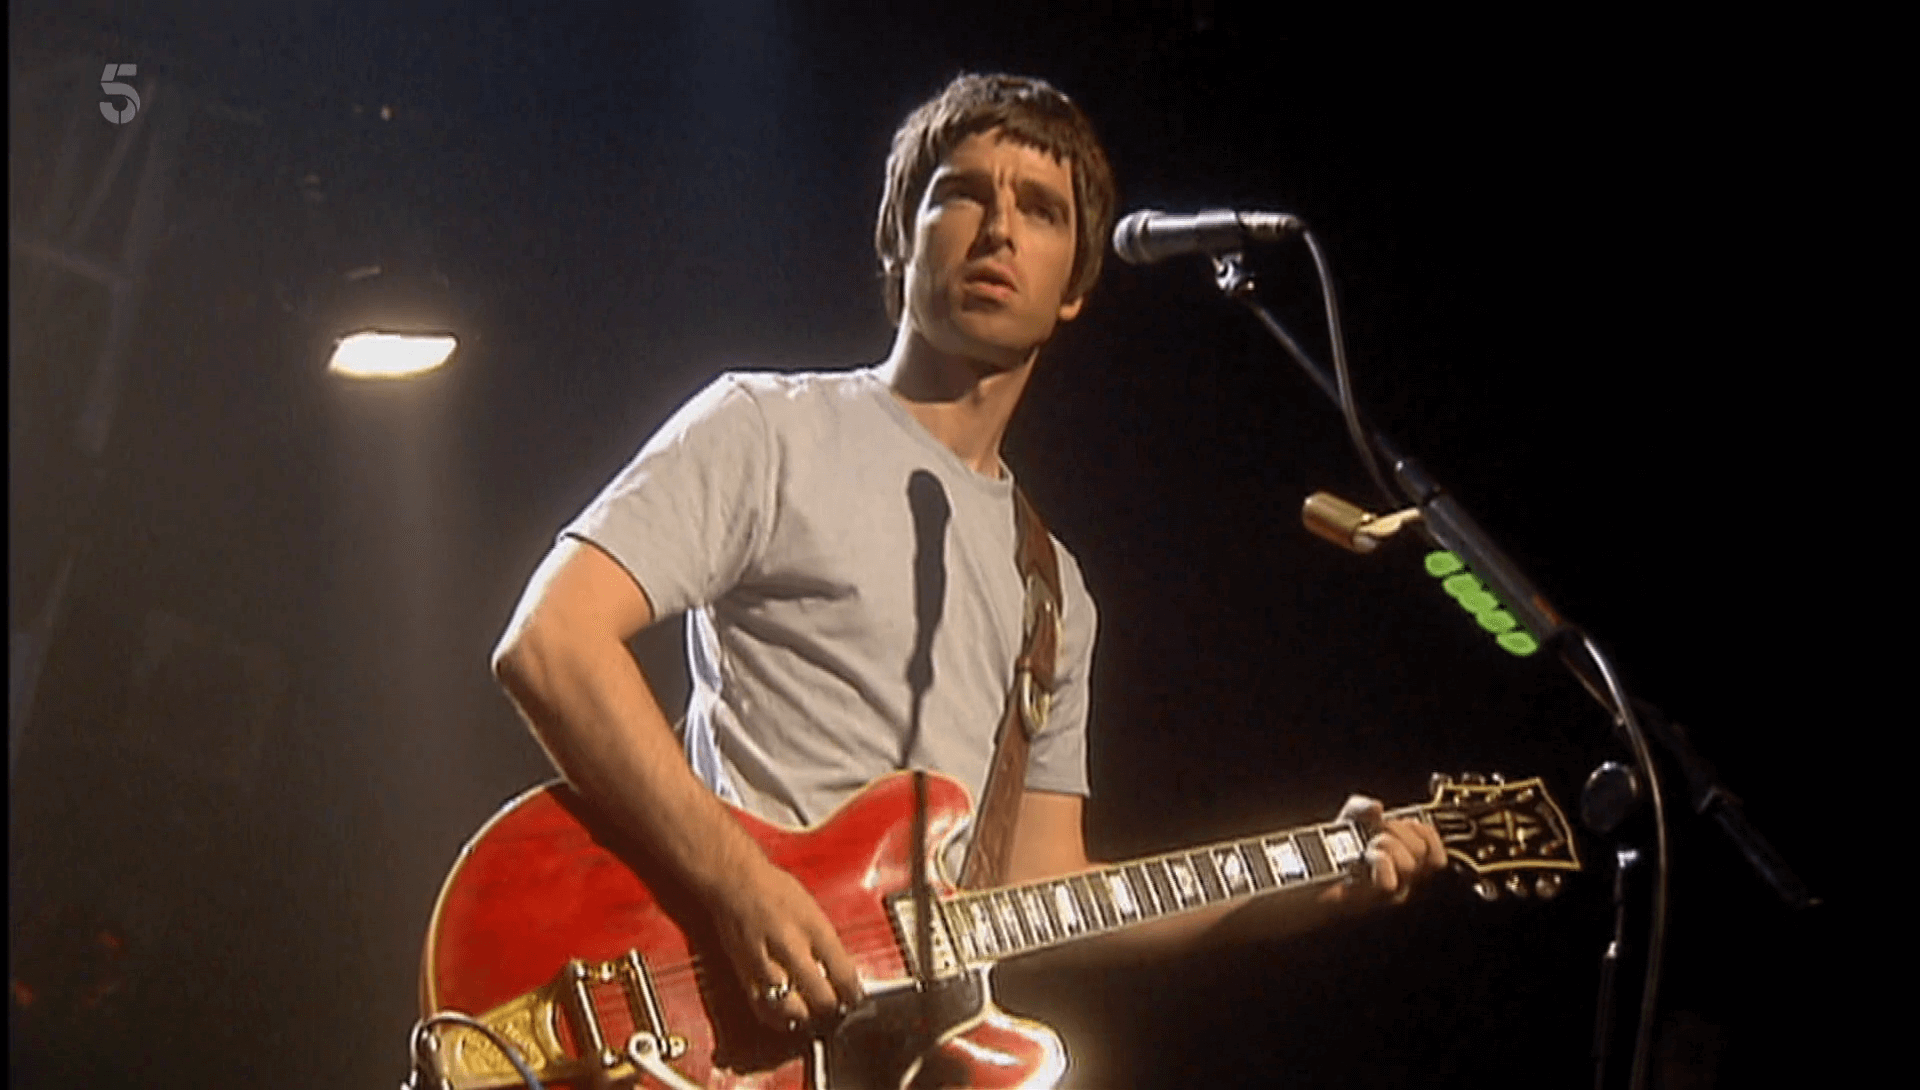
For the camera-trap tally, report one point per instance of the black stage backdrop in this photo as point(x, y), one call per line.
point(1576, 282)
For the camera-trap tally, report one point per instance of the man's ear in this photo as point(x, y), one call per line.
point(1070, 309)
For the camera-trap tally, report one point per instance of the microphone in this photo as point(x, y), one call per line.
point(1145, 237)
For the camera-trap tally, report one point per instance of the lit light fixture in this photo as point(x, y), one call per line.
point(371, 354)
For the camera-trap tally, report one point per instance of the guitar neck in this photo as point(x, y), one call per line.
point(991, 925)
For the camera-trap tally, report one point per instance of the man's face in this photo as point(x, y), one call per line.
point(993, 245)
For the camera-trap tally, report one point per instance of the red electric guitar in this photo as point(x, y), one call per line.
point(575, 948)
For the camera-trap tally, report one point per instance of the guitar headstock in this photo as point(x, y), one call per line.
point(1512, 836)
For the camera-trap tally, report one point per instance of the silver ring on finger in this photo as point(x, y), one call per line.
point(774, 993)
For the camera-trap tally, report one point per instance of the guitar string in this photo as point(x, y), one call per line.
point(697, 966)
point(670, 975)
point(857, 938)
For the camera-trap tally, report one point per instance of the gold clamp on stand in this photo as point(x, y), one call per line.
point(1350, 527)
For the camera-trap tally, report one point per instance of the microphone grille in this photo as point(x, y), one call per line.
point(1129, 237)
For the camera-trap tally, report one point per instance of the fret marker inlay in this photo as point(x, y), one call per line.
point(1343, 846)
point(1233, 870)
point(1009, 921)
point(1122, 897)
point(1064, 908)
point(983, 927)
point(1035, 912)
point(1186, 883)
point(1285, 860)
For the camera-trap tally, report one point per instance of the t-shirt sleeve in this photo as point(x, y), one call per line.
point(689, 514)
point(1058, 759)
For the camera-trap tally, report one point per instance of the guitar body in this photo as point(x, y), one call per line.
point(545, 883)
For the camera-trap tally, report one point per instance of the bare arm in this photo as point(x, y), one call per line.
point(1049, 841)
point(564, 662)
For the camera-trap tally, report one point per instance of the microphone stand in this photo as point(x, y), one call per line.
point(1448, 525)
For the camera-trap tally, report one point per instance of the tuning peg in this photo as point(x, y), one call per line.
point(1496, 777)
point(1438, 781)
point(1473, 778)
point(1517, 886)
point(1488, 889)
point(1547, 886)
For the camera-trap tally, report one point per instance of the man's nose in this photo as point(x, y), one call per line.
point(996, 226)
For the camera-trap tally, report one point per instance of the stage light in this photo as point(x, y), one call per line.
point(374, 354)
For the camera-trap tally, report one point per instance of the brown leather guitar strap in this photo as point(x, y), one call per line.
point(1028, 700)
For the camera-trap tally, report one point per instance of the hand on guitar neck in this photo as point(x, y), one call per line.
point(1400, 852)
point(774, 930)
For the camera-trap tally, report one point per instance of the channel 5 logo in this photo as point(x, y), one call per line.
point(124, 90)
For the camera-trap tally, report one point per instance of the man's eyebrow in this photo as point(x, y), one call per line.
point(1034, 188)
point(947, 175)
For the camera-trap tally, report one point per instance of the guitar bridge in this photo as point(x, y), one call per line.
point(467, 1060)
point(649, 1037)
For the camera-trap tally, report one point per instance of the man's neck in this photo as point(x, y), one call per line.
point(964, 403)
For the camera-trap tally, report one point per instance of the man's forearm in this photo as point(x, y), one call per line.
point(592, 709)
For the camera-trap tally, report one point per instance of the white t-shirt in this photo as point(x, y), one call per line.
point(774, 509)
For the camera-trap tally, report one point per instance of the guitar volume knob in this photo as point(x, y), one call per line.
point(1547, 886)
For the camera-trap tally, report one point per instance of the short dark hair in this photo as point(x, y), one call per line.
point(1028, 110)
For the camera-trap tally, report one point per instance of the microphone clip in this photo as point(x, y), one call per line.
point(1351, 527)
point(1231, 275)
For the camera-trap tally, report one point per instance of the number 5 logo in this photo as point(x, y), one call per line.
point(124, 90)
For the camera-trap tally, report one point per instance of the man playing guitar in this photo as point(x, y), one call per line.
point(774, 510)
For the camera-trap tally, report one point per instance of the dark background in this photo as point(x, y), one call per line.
point(265, 725)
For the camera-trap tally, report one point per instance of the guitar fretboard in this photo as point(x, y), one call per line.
point(990, 925)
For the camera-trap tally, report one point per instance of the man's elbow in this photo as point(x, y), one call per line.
point(500, 662)
point(516, 657)
point(542, 649)
point(531, 668)
point(579, 602)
